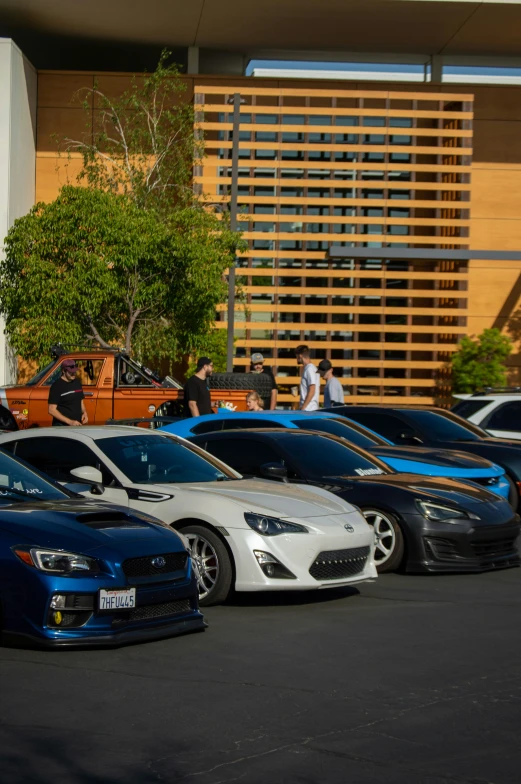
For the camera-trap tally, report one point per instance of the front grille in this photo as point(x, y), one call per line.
point(493, 549)
point(143, 567)
point(149, 611)
point(335, 564)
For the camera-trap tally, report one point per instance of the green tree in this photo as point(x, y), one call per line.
point(479, 362)
point(94, 266)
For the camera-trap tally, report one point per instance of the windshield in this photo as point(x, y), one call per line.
point(160, 459)
point(444, 426)
point(324, 458)
point(19, 482)
point(342, 428)
point(41, 374)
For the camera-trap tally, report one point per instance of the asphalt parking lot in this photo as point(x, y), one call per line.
point(409, 679)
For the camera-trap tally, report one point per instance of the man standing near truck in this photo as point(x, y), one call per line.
point(66, 396)
point(197, 396)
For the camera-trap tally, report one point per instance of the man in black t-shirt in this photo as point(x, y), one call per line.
point(196, 391)
point(257, 366)
point(66, 404)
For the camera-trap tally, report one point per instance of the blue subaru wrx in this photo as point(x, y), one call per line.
point(76, 572)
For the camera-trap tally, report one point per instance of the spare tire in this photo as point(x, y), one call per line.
point(260, 382)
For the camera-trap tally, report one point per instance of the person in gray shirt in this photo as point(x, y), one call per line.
point(334, 392)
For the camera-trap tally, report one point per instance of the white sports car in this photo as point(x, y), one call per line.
point(253, 535)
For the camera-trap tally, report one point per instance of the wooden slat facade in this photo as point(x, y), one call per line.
point(356, 168)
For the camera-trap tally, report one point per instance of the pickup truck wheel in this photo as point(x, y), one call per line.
point(212, 564)
point(7, 420)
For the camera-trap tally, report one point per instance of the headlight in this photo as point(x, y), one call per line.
point(56, 561)
point(271, 526)
point(441, 514)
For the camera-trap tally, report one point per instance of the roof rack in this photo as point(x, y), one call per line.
point(496, 390)
point(59, 349)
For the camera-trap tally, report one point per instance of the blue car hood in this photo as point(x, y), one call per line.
point(83, 526)
point(436, 462)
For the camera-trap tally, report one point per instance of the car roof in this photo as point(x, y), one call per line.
point(95, 432)
point(273, 432)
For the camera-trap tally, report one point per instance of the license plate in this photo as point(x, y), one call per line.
point(122, 599)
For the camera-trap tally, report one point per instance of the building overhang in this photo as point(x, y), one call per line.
point(403, 27)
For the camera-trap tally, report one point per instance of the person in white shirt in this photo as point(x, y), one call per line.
point(310, 382)
point(334, 391)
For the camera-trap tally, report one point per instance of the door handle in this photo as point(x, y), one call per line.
point(88, 394)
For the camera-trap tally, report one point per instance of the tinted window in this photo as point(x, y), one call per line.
point(506, 417)
point(208, 427)
point(58, 456)
point(320, 458)
point(234, 423)
point(465, 408)
point(245, 455)
point(150, 459)
point(387, 425)
point(338, 428)
point(17, 480)
point(444, 426)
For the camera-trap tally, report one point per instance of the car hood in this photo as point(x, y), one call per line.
point(267, 497)
point(429, 488)
point(83, 526)
point(436, 461)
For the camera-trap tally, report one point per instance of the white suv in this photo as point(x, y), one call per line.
point(498, 411)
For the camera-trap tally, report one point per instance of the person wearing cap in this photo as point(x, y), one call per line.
point(334, 391)
point(66, 397)
point(257, 366)
point(197, 396)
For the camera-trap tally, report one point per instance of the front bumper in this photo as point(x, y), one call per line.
point(163, 608)
point(460, 547)
point(300, 553)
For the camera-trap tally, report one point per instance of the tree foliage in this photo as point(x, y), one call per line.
point(142, 143)
point(94, 266)
point(479, 362)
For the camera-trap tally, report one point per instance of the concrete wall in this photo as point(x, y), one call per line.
point(18, 94)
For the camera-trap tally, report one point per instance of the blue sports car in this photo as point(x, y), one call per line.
point(452, 464)
point(77, 572)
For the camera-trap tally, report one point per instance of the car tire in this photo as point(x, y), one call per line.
point(212, 562)
point(390, 545)
point(260, 382)
point(513, 495)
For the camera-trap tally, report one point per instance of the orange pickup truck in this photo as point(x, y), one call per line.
point(115, 387)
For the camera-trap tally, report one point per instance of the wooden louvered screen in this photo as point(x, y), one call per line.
point(350, 168)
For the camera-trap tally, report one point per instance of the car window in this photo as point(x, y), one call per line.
point(506, 417)
point(58, 456)
point(443, 426)
point(88, 372)
point(208, 427)
point(41, 374)
point(149, 459)
point(466, 408)
point(131, 376)
point(241, 423)
point(339, 428)
point(386, 425)
point(245, 455)
point(320, 457)
point(17, 479)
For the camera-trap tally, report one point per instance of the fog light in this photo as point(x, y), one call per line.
point(272, 567)
point(57, 617)
point(58, 601)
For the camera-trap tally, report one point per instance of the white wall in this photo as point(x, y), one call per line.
point(18, 87)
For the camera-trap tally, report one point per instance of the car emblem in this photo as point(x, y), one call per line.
point(158, 562)
point(349, 528)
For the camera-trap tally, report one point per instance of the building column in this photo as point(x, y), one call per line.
point(18, 89)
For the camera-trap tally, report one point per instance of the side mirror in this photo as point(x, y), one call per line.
point(90, 476)
point(409, 435)
point(274, 471)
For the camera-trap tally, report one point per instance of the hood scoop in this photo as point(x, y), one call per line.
point(108, 520)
